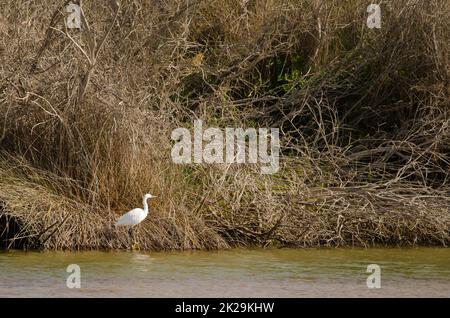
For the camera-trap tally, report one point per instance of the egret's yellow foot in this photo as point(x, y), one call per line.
point(135, 246)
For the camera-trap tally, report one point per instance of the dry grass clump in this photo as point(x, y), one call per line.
point(86, 118)
point(37, 213)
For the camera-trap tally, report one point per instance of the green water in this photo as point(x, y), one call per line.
point(414, 272)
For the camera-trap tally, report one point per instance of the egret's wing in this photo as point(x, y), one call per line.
point(131, 218)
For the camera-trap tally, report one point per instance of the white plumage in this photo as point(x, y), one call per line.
point(135, 216)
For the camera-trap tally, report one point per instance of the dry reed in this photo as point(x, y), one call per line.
point(86, 117)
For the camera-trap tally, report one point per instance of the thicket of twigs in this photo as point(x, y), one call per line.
point(86, 118)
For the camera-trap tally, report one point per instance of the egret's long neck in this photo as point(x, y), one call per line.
point(145, 206)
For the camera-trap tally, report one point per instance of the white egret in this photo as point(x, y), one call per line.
point(135, 216)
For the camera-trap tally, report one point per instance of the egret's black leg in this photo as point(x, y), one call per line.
point(131, 232)
point(136, 244)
